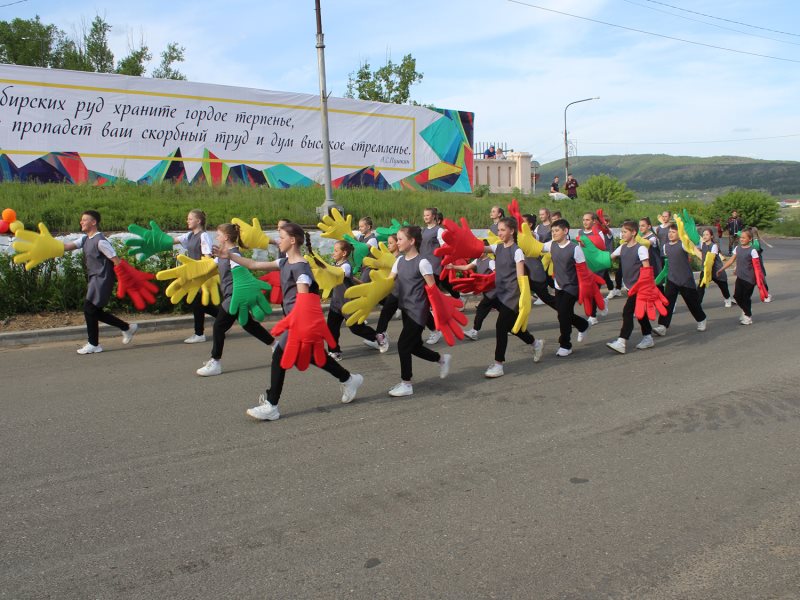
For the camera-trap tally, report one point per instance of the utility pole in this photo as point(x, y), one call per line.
point(566, 143)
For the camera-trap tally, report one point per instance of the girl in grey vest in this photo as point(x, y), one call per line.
point(482, 266)
point(197, 243)
point(389, 305)
point(708, 245)
point(432, 239)
point(743, 255)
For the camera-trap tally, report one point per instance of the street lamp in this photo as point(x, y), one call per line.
point(41, 46)
point(566, 144)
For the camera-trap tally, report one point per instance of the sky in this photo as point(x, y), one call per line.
point(515, 64)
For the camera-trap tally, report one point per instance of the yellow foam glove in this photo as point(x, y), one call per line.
point(491, 238)
point(190, 276)
point(35, 248)
point(17, 226)
point(526, 241)
point(365, 296)
point(708, 272)
point(547, 263)
point(642, 241)
point(688, 244)
point(327, 276)
point(524, 304)
point(334, 226)
point(381, 259)
point(252, 235)
point(210, 291)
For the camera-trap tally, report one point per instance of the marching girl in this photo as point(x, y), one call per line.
point(197, 243)
point(366, 235)
point(390, 305)
point(591, 229)
point(509, 270)
point(708, 245)
point(748, 275)
point(228, 244)
point(342, 250)
point(412, 272)
point(536, 273)
point(296, 282)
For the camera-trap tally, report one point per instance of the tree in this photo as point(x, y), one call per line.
point(134, 63)
point(391, 83)
point(28, 42)
point(98, 55)
point(172, 54)
point(756, 208)
point(602, 189)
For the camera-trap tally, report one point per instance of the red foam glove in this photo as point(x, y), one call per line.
point(649, 299)
point(446, 315)
point(760, 283)
point(451, 275)
point(475, 284)
point(602, 222)
point(308, 334)
point(514, 211)
point(276, 293)
point(589, 284)
point(135, 284)
point(459, 242)
point(597, 238)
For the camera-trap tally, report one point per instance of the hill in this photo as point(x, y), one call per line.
point(661, 172)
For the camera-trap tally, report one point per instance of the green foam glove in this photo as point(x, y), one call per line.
point(662, 277)
point(597, 260)
point(248, 296)
point(383, 233)
point(360, 252)
point(691, 227)
point(148, 241)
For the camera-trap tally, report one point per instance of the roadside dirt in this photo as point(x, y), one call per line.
point(27, 322)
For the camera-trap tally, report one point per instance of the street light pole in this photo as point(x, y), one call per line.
point(566, 144)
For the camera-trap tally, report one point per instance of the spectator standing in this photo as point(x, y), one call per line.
point(733, 228)
point(571, 187)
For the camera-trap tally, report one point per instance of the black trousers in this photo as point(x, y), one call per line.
point(742, 293)
point(445, 285)
point(722, 284)
point(543, 293)
point(482, 311)
point(277, 374)
point(608, 280)
point(567, 319)
point(199, 312)
point(690, 297)
point(224, 321)
point(335, 320)
point(627, 320)
point(505, 321)
point(95, 315)
point(410, 344)
point(390, 304)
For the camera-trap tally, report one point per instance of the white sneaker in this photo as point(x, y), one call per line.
point(538, 346)
point(701, 325)
point(611, 294)
point(350, 387)
point(602, 313)
point(582, 335)
point(538, 302)
point(444, 365)
point(195, 339)
point(337, 356)
point(401, 389)
point(383, 342)
point(471, 334)
point(622, 290)
point(434, 337)
point(592, 320)
point(618, 345)
point(564, 352)
point(90, 349)
point(374, 345)
point(264, 411)
point(768, 298)
point(211, 368)
point(746, 320)
point(728, 303)
point(660, 330)
point(127, 336)
point(495, 370)
point(397, 315)
point(647, 342)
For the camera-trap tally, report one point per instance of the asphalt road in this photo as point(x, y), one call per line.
point(667, 473)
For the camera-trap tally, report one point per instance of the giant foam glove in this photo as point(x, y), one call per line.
point(273, 278)
point(35, 248)
point(135, 284)
point(649, 299)
point(360, 252)
point(365, 296)
point(148, 241)
point(589, 294)
point(210, 291)
point(602, 222)
point(383, 233)
point(381, 259)
point(643, 241)
point(446, 316)
point(527, 242)
point(252, 236)
point(521, 323)
point(708, 265)
point(686, 242)
point(691, 227)
point(596, 236)
point(662, 276)
point(451, 275)
point(190, 276)
point(763, 292)
point(327, 276)
point(491, 238)
point(514, 211)
point(248, 296)
point(598, 260)
point(475, 283)
point(308, 334)
point(459, 242)
point(335, 227)
point(547, 263)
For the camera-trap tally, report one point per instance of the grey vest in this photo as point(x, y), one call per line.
point(410, 288)
point(564, 267)
point(226, 278)
point(662, 233)
point(337, 296)
point(100, 270)
point(543, 233)
point(493, 228)
point(744, 265)
point(505, 274)
point(289, 275)
point(630, 264)
point(430, 241)
point(482, 268)
point(680, 269)
point(193, 245)
point(706, 248)
point(654, 252)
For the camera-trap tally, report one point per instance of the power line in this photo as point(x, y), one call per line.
point(722, 19)
point(772, 137)
point(12, 3)
point(672, 14)
point(668, 37)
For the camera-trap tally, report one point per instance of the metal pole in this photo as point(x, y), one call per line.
point(566, 144)
point(328, 204)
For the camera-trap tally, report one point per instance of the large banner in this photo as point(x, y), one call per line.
point(75, 127)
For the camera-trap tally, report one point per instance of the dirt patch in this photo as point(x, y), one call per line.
point(28, 322)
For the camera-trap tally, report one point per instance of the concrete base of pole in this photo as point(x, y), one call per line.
point(326, 208)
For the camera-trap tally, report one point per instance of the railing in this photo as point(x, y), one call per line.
point(502, 176)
